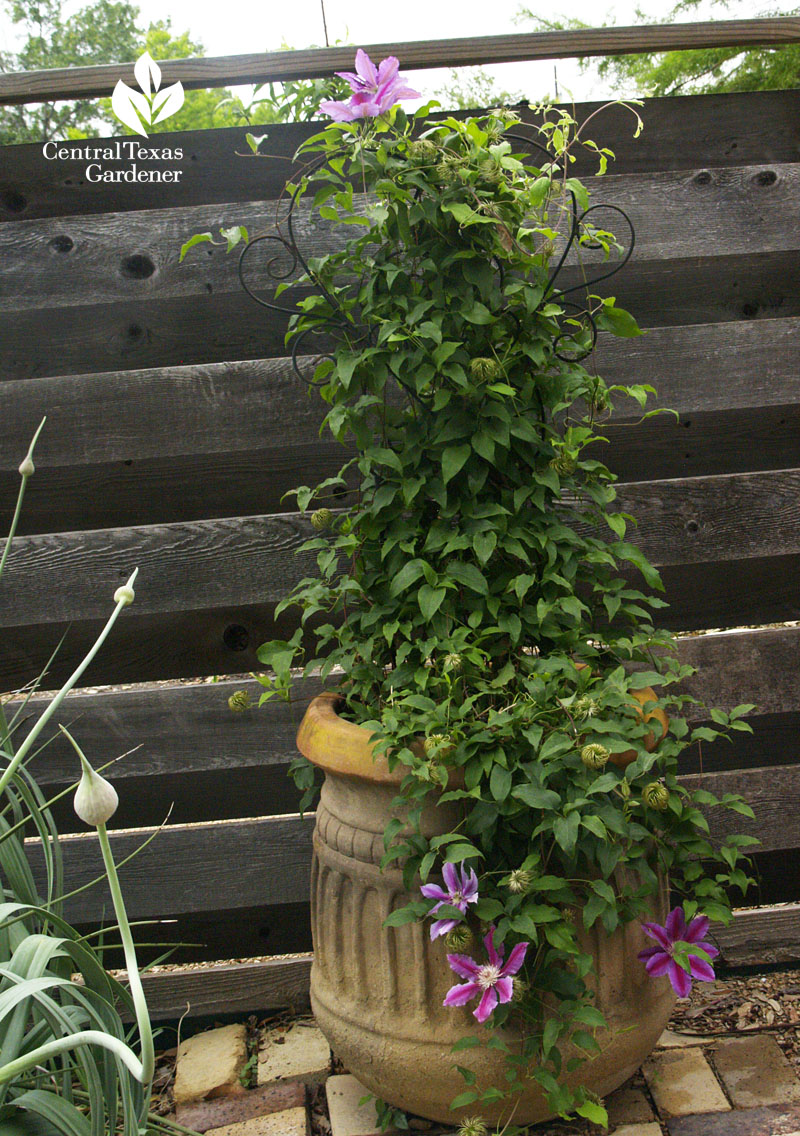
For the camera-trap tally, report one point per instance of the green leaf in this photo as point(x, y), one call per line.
point(565, 831)
point(197, 239)
point(458, 852)
point(407, 576)
point(430, 599)
point(618, 322)
point(537, 798)
point(468, 575)
point(500, 783)
point(453, 460)
point(593, 1112)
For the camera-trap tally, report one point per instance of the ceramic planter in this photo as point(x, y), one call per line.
point(377, 992)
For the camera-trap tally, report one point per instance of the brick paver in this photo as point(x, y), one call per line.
point(348, 1117)
point(628, 1105)
point(209, 1064)
point(202, 1115)
point(290, 1122)
point(298, 1054)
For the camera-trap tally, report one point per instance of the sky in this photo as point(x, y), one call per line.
point(240, 26)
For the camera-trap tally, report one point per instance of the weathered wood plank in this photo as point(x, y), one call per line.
point(680, 133)
point(226, 407)
point(211, 328)
point(76, 261)
point(759, 936)
point(269, 984)
point(773, 793)
point(246, 560)
point(215, 71)
point(189, 869)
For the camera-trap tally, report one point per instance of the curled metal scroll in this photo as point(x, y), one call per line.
point(288, 256)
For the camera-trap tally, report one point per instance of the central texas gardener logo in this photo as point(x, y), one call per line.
point(142, 109)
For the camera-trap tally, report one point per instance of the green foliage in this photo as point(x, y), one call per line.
point(694, 72)
point(473, 595)
point(471, 87)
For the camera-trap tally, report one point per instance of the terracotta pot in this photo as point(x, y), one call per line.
point(377, 992)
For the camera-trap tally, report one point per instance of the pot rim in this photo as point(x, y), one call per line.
point(342, 747)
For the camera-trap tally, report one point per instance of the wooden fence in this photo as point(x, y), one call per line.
point(175, 424)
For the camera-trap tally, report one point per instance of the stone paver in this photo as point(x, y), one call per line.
point(290, 1122)
point(348, 1117)
point(202, 1115)
point(682, 1083)
point(299, 1054)
point(652, 1128)
point(672, 1040)
point(768, 1120)
point(628, 1105)
point(209, 1064)
point(755, 1071)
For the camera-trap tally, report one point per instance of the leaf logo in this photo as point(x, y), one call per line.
point(140, 109)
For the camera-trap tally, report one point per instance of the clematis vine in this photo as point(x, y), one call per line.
point(492, 981)
point(462, 889)
point(674, 956)
point(375, 89)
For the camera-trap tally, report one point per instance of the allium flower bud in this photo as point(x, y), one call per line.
point(321, 519)
point(656, 796)
point(520, 880)
point(459, 940)
point(239, 700)
point(485, 370)
point(26, 467)
point(473, 1126)
point(594, 755)
point(124, 594)
point(96, 799)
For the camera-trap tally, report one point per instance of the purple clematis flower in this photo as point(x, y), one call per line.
point(460, 892)
point(375, 89)
point(492, 981)
point(661, 959)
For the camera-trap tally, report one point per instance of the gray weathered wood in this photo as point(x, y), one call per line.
point(190, 869)
point(121, 256)
point(247, 560)
point(680, 133)
point(773, 793)
point(83, 82)
point(269, 984)
point(209, 328)
point(261, 404)
point(759, 936)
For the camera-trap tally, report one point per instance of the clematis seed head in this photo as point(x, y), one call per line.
point(485, 370)
point(321, 519)
point(239, 701)
point(585, 707)
point(520, 880)
point(453, 662)
point(460, 939)
point(563, 464)
point(438, 745)
point(656, 796)
point(473, 1126)
point(423, 150)
point(594, 755)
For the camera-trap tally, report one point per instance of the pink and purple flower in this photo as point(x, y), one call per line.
point(661, 959)
point(462, 889)
point(375, 89)
point(491, 981)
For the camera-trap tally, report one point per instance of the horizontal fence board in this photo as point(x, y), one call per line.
point(123, 256)
point(245, 560)
point(225, 407)
point(759, 936)
point(773, 793)
point(212, 328)
point(189, 869)
point(270, 984)
point(99, 80)
point(680, 133)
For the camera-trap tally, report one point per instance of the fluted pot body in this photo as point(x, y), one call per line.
point(377, 991)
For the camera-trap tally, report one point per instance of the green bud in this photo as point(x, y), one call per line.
point(422, 150)
point(624, 789)
point(594, 755)
point(656, 796)
point(491, 172)
point(585, 707)
point(519, 990)
point(453, 662)
point(321, 519)
point(438, 745)
point(95, 799)
point(564, 464)
point(239, 700)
